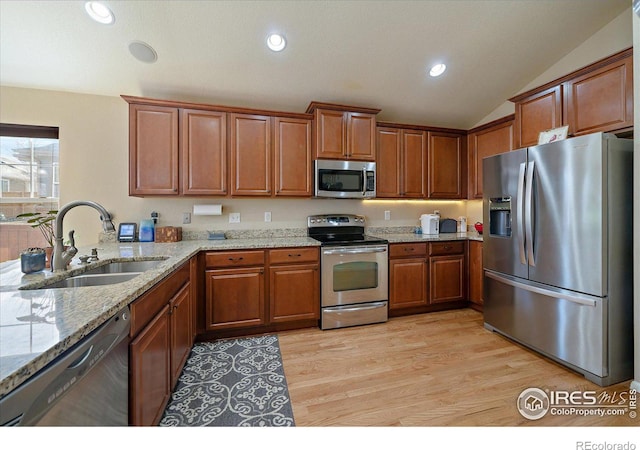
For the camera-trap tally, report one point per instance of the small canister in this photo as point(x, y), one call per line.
point(462, 224)
point(32, 260)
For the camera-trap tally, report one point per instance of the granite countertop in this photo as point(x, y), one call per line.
point(37, 325)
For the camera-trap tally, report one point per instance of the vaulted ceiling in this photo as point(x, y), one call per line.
point(365, 53)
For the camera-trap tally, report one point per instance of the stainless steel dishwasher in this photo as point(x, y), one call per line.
point(86, 385)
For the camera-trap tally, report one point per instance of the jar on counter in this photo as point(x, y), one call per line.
point(32, 260)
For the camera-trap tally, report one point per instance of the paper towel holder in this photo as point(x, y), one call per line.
point(207, 210)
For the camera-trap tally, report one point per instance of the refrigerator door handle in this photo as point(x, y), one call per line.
point(528, 213)
point(520, 213)
point(575, 298)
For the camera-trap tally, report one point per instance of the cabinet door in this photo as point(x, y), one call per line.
point(407, 283)
point(492, 141)
point(540, 112)
point(361, 136)
point(234, 298)
point(601, 100)
point(181, 334)
point(204, 152)
point(414, 164)
point(447, 278)
point(153, 150)
point(294, 293)
point(330, 134)
point(388, 161)
point(475, 272)
point(447, 166)
point(149, 373)
point(292, 157)
point(250, 155)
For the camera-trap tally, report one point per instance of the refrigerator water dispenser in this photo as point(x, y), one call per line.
point(500, 216)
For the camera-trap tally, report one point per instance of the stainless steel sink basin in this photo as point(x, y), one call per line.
point(110, 273)
point(93, 280)
point(124, 267)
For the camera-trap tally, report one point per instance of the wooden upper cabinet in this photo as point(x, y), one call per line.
point(250, 155)
point(292, 157)
point(447, 166)
point(401, 163)
point(388, 162)
point(361, 136)
point(343, 132)
point(204, 152)
point(539, 112)
point(601, 100)
point(153, 150)
point(598, 97)
point(488, 140)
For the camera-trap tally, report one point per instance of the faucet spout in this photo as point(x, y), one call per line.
point(61, 258)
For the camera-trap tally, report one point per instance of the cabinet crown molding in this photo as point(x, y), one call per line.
point(337, 107)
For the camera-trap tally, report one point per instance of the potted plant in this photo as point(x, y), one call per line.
point(45, 223)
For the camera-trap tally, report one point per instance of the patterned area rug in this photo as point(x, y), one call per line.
point(229, 383)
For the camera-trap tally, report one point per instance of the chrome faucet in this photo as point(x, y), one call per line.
point(62, 257)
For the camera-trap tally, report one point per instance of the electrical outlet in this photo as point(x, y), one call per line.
point(387, 215)
point(436, 211)
point(234, 217)
point(267, 216)
point(186, 218)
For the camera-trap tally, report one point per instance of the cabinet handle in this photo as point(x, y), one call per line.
point(406, 249)
point(296, 255)
point(236, 259)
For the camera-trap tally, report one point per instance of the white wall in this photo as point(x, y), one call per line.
point(610, 39)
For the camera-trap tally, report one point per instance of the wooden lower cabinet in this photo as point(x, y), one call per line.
point(408, 276)
point(162, 336)
point(447, 272)
point(408, 280)
point(294, 293)
point(150, 382)
point(475, 274)
point(260, 290)
point(234, 298)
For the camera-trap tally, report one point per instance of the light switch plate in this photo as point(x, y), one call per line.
point(186, 218)
point(267, 216)
point(234, 217)
point(387, 215)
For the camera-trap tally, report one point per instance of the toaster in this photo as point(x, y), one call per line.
point(430, 223)
point(448, 226)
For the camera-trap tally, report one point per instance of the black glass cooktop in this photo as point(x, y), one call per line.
point(348, 239)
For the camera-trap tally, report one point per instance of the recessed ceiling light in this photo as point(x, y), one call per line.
point(437, 70)
point(99, 12)
point(276, 42)
point(143, 52)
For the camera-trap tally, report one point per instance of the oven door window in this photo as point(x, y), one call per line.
point(340, 180)
point(353, 276)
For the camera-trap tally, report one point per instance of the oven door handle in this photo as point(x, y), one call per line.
point(353, 251)
point(360, 307)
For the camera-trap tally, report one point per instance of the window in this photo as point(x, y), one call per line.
point(29, 182)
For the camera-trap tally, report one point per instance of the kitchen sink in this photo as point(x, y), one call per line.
point(110, 273)
point(119, 267)
point(84, 280)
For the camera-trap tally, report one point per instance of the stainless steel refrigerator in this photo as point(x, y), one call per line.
point(558, 252)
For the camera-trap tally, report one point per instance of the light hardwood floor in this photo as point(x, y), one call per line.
point(436, 369)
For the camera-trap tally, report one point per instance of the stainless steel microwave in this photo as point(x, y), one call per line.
point(344, 179)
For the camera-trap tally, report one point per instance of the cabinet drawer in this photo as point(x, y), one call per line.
point(446, 248)
point(293, 255)
point(147, 306)
point(409, 249)
point(235, 259)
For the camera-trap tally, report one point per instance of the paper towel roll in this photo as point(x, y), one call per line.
point(207, 210)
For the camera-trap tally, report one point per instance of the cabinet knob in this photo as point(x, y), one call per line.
point(298, 255)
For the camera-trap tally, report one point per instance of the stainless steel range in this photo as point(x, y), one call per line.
point(354, 274)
